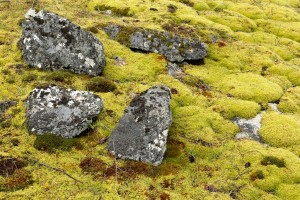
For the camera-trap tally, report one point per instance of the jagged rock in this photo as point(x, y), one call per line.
point(249, 127)
point(61, 111)
point(52, 42)
point(174, 47)
point(142, 131)
point(4, 105)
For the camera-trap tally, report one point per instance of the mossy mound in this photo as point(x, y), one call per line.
point(290, 101)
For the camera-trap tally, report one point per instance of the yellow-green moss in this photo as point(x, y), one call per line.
point(280, 130)
point(290, 101)
point(250, 86)
point(230, 108)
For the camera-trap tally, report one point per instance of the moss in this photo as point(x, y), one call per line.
point(101, 84)
point(230, 108)
point(18, 180)
point(288, 191)
point(290, 101)
point(272, 160)
point(257, 175)
point(125, 11)
point(90, 165)
point(249, 86)
point(60, 76)
point(275, 129)
point(50, 142)
point(93, 29)
point(9, 165)
point(29, 77)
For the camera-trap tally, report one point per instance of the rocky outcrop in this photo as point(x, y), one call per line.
point(61, 111)
point(249, 127)
point(142, 131)
point(174, 47)
point(52, 42)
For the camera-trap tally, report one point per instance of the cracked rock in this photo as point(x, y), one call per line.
point(142, 131)
point(61, 111)
point(51, 42)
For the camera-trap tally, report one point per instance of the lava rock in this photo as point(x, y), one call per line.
point(174, 47)
point(51, 42)
point(4, 105)
point(61, 111)
point(142, 131)
point(249, 128)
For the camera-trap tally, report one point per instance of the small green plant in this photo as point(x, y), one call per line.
point(49, 142)
point(272, 160)
point(100, 84)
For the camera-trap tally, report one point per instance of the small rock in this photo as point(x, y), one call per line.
point(4, 105)
point(142, 131)
point(119, 61)
point(52, 42)
point(274, 107)
point(108, 12)
point(249, 127)
point(61, 111)
point(175, 70)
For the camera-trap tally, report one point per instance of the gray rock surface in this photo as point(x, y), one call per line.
point(52, 42)
point(175, 70)
point(61, 111)
point(174, 47)
point(4, 105)
point(142, 131)
point(249, 127)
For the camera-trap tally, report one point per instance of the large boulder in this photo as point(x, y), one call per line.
point(52, 42)
point(142, 131)
point(174, 47)
point(64, 112)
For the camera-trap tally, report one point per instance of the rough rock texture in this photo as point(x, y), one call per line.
point(61, 111)
point(4, 105)
point(249, 128)
point(52, 42)
point(174, 47)
point(142, 131)
point(174, 70)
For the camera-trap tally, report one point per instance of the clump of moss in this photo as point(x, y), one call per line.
point(91, 165)
point(18, 180)
point(125, 11)
point(92, 29)
point(29, 77)
point(257, 175)
point(60, 76)
point(50, 142)
point(290, 101)
point(101, 84)
point(272, 160)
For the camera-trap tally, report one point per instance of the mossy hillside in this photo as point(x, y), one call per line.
point(238, 44)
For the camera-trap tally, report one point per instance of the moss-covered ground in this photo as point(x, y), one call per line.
point(254, 59)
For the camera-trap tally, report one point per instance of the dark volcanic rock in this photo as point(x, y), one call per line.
point(4, 105)
point(142, 131)
point(61, 111)
point(52, 42)
point(174, 47)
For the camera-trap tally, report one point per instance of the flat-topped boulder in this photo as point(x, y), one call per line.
point(61, 111)
point(142, 131)
point(51, 42)
point(174, 47)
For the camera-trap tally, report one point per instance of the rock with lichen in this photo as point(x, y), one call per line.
point(174, 47)
point(52, 42)
point(142, 131)
point(61, 111)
